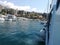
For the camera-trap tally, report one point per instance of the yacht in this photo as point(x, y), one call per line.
point(10, 17)
point(2, 17)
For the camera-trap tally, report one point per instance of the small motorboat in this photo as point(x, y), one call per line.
point(2, 19)
point(10, 17)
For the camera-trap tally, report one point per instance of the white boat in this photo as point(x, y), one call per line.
point(53, 31)
point(10, 17)
point(2, 19)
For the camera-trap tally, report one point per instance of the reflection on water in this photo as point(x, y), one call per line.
point(21, 32)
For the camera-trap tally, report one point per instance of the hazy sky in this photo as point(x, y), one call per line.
point(28, 5)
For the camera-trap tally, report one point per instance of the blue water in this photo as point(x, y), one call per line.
point(21, 32)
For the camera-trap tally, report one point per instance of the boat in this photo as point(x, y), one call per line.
point(53, 31)
point(10, 17)
point(2, 19)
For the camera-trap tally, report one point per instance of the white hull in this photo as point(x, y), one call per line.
point(2, 19)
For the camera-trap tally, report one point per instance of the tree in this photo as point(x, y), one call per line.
point(3, 11)
point(20, 13)
point(10, 11)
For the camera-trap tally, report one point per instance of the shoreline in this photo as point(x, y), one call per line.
point(24, 18)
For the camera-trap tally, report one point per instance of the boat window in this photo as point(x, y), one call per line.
point(58, 3)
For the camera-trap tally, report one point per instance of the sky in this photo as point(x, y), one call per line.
point(27, 5)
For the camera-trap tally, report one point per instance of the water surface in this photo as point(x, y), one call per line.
point(21, 32)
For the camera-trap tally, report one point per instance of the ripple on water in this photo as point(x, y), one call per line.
point(20, 33)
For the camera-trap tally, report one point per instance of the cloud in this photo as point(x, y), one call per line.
point(25, 8)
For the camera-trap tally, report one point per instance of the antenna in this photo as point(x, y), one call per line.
point(47, 6)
